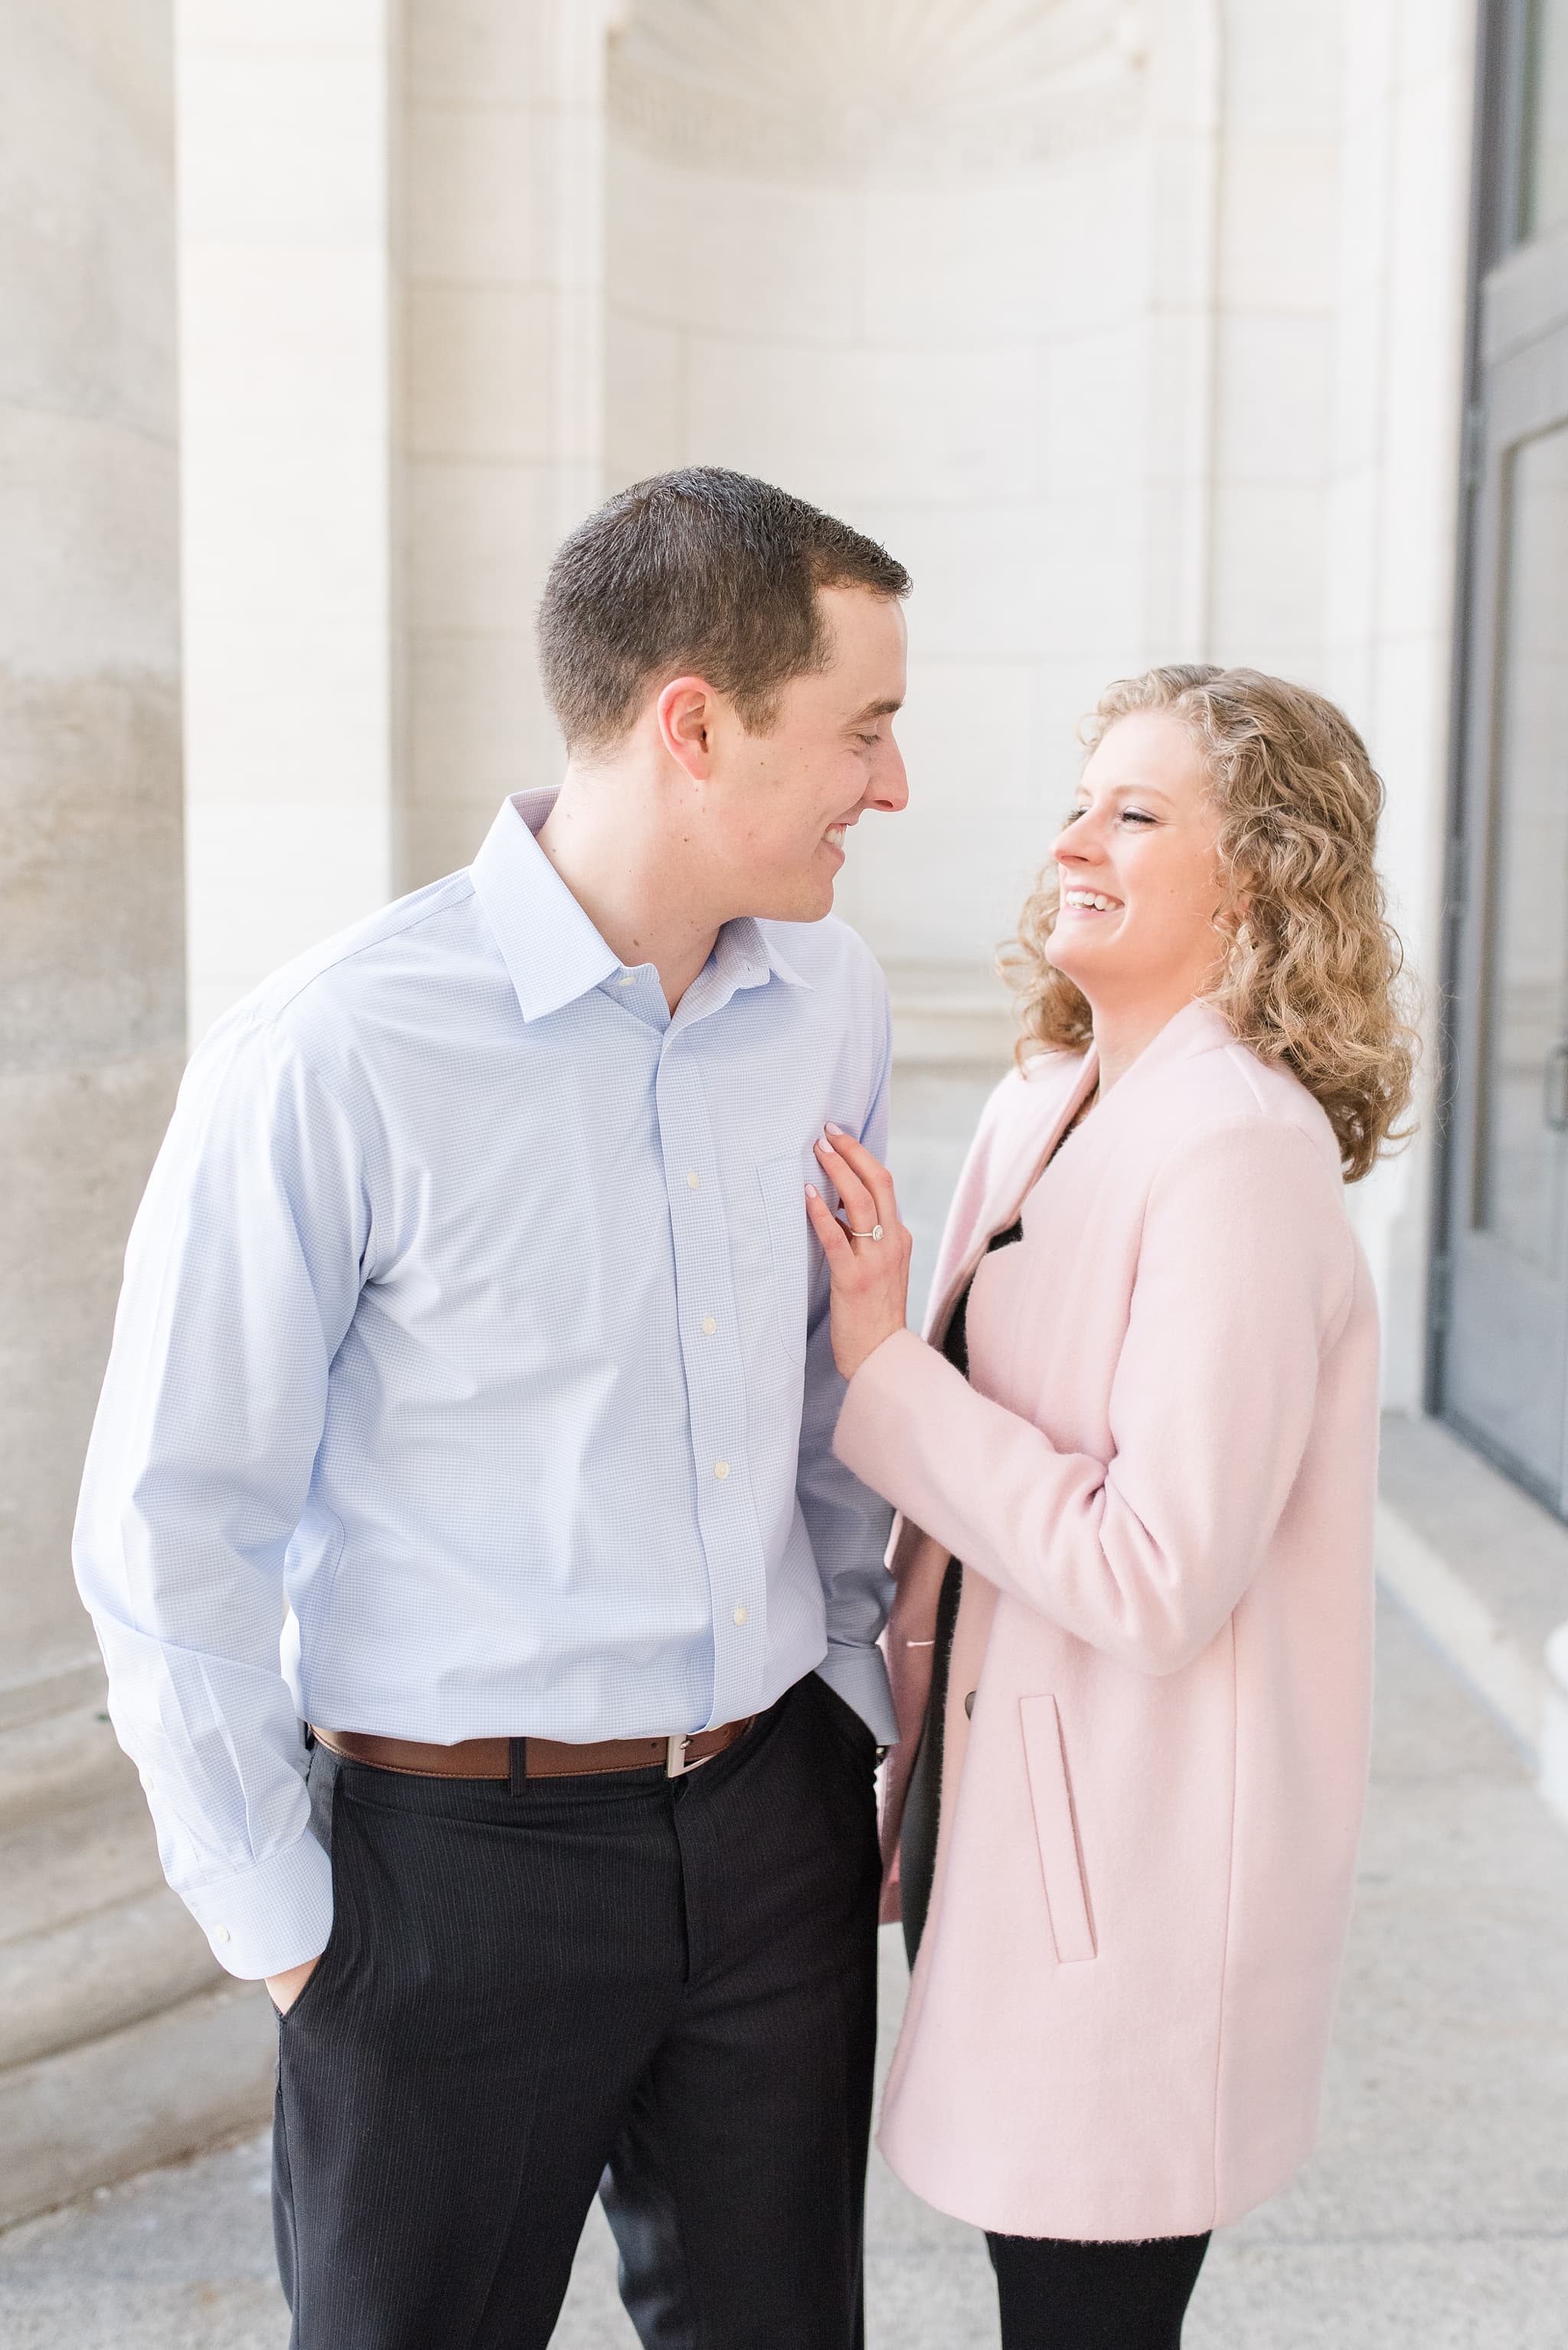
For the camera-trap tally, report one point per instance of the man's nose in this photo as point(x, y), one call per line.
point(890, 790)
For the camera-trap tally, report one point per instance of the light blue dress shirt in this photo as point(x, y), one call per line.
point(472, 1312)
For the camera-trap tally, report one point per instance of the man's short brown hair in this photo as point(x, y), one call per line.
point(702, 571)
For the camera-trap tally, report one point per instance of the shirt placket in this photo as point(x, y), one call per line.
point(714, 1366)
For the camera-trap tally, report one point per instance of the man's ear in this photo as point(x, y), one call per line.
point(685, 711)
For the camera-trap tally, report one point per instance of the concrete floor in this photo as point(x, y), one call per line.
point(1434, 2217)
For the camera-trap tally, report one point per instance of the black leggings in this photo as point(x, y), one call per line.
point(1065, 2296)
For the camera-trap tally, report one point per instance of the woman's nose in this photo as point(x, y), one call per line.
point(1078, 843)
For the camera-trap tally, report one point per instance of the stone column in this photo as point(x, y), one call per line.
point(895, 258)
point(114, 2049)
point(391, 297)
point(289, 461)
point(1392, 522)
point(898, 258)
point(501, 296)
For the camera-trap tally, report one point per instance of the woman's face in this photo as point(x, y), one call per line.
point(1138, 866)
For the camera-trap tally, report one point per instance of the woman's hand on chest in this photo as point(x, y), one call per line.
point(867, 1252)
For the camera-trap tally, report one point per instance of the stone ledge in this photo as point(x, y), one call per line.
point(65, 1865)
point(55, 1761)
point(81, 1684)
point(95, 1975)
point(1483, 1570)
point(1511, 1553)
point(159, 2090)
point(950, 1016)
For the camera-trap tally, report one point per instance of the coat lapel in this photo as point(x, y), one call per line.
point(916, 1561)
point(1005, 1195)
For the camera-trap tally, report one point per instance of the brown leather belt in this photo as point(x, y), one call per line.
point(544, 1758)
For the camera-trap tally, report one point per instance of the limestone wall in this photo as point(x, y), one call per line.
point(1390, 519)
point(1135, 329)
point(899, 260)
point(114, 2050)
point(287, 315)
point(498, 373)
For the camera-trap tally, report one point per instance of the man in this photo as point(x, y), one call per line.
point(471, 1309)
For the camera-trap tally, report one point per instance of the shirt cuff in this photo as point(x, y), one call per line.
point(859, 1676)
point(272, 1916)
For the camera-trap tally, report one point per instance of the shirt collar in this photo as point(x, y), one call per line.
point(746, 955)
point(552, 951)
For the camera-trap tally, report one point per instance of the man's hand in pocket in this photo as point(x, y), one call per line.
point(285, 1989)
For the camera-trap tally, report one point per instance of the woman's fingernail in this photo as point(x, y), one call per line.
point(812, 1193)
point(830, 1129)
point(823, 1149)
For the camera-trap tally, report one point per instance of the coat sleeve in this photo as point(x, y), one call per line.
point(1245, 1270)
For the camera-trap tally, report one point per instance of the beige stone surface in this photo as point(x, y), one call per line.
point(90, 874)
point(91, 867)
point(104, 2062)
point(1161, 363)
point(77, 1143)
point(287, 466)
point(1145, 346)
point(84, 143)
point(108, 2107)
point(500, 389)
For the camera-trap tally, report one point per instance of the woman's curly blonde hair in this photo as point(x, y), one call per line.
point(1312, 969)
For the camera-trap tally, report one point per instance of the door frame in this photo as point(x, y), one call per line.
point(1505, 282)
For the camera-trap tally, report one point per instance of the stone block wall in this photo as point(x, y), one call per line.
point(1134, 327)
point(114, 2049)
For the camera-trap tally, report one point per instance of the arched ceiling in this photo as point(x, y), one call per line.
point(855, 87)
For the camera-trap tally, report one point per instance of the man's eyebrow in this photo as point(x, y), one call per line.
point(876, 709)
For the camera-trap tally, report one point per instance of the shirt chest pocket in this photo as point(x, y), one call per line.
point(783, 1185)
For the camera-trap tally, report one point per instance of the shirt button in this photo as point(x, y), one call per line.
point(692, 1180)
point(709, 1325)
point(721, 1468)
point(219, 1933)
point(626, 979)
point(739, 1615)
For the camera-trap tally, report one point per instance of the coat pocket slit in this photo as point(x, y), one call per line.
point(1061, 1858)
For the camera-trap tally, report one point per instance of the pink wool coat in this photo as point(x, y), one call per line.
point(1160, 1479)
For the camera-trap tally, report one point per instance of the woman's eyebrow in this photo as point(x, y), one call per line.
point(1134, 792)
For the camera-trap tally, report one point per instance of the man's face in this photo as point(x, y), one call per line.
point(783, 805)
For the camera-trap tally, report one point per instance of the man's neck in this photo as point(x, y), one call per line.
point(612, 841)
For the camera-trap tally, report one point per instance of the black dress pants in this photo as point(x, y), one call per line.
point(660, 1989)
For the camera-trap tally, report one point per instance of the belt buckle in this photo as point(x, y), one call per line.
point(676, 1766)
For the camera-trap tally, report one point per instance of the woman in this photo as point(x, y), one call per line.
point(1145, 1418)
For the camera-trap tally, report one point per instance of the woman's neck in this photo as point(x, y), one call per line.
point(1123, 1032)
